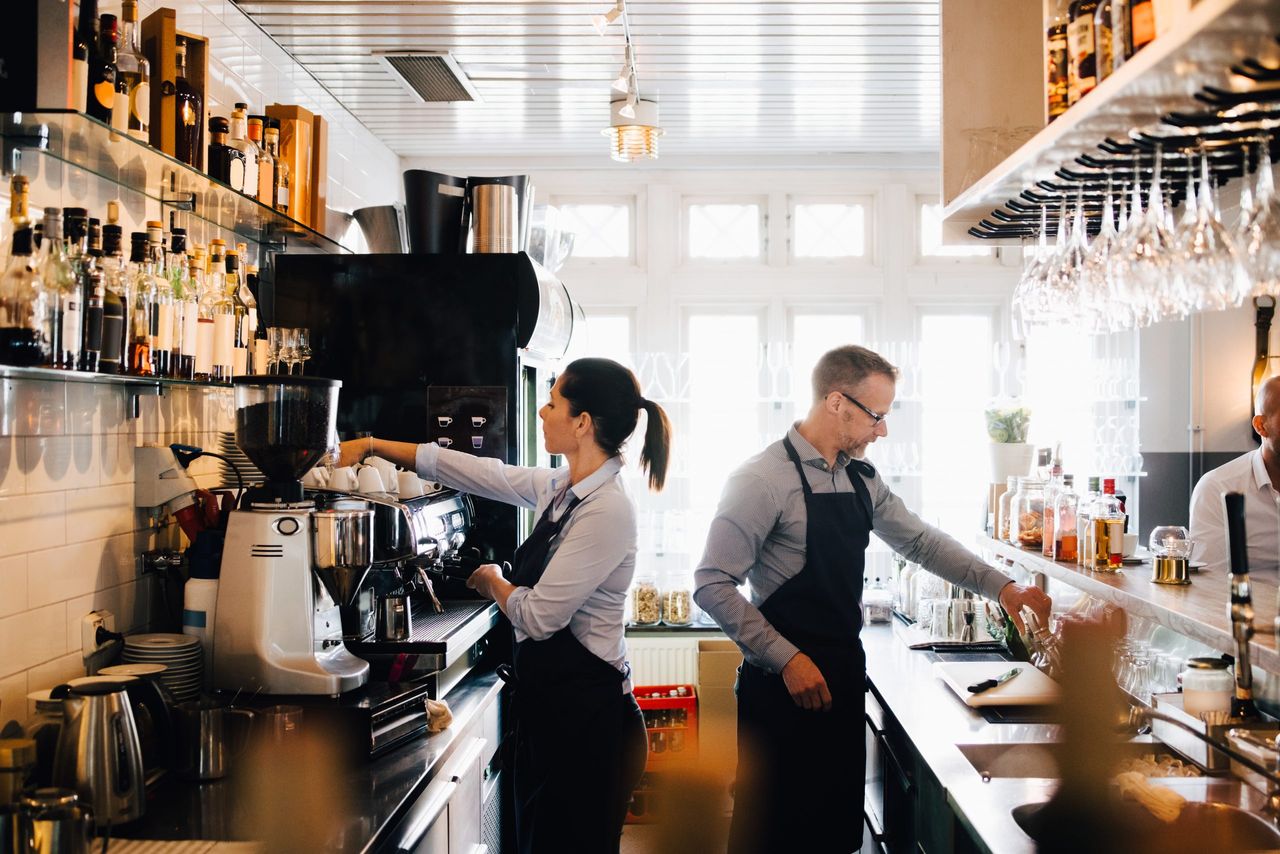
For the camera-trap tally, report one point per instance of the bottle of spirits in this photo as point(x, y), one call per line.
point(60, 279)
point(1084, 528)
point(254, 334)
point(266, 164)
point(1102, 40)
point(223, 313)
point(241, 341)
point(1082, 65)
point(102, 72)
point(1056, 59)
point(24, 306)
point(1051, 490)
point(133, 71)
point(141, 307)
point(115, 301)
point(186, 307)
point(1142, 24)
point(1064, 521)
point(1121, 33)
point(189, 115)
point(94, 295)
point(1108, 529)
point(161, 298)
point(280, 185)
point(226, 164)
point(82, 51)
point(238, 138)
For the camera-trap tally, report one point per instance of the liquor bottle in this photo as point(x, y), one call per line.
point(161, 315)
point(1064, 521)
point(24, 306)
point(141, 307)
point(94, 293)
point(60, 279)
point(186, 307)
point(82, 51)
point(204, 318)
point(115, 301)
point(257, 335)
point(1102, 40)
point(266, 164)
point(102, 72)
point(226, 164)
point(280, 178)
point(1121, 33)
point(189, 114)
point(1051, 490)
point(1142, 24)
point(133, 71)
point(1082, 65)
point(1107, 520)
point(238, 138)
point(1056, 59)
point(1084, 530)
point(240, 311)
point(222, 310)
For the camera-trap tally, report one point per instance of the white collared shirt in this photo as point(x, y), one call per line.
point(1246, 474)
point(591, 561)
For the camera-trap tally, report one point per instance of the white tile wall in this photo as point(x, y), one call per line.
point(70, 538)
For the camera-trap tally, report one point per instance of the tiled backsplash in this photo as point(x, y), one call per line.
point(70, 538)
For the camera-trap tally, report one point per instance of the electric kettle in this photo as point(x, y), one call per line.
point(99, 755)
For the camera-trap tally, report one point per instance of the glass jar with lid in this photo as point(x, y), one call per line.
point(1026, 512)
point(677, 601)
point(646, 601)
point(1207, 686)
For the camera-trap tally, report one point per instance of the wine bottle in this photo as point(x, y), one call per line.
point(82, 51)
point(133, 71)
point(188, 114)
point(102, 72)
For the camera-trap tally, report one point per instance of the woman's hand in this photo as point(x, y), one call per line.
point(484, 580)
point(354, 451)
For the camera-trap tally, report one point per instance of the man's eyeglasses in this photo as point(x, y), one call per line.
point(876, 417)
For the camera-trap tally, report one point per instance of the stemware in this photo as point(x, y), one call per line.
point(1147, 252)
point(1209, 268)
point(1260, 228)
point(275, 344)
point(302, 348)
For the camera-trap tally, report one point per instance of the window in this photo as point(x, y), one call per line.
point(605, 335)
point(601, 229)
point(813, 334)
point(724, 231)
point(955, 371)
point(827, 230)
point(931, 238)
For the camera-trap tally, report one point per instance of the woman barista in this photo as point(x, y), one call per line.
point(580, 738)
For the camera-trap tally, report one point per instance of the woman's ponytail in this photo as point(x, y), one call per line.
point(656, 453)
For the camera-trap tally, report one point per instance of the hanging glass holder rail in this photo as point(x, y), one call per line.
point(84, 143)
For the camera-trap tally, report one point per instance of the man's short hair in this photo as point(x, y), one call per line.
point(845, 367)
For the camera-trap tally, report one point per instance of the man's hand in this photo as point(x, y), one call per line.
point(804, 680)
point(1014, 596)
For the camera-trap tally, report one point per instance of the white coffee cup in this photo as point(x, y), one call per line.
point(386, 469)
point(370, 480)
point(344, 479)
point(410, 485)
point(444, 441)
point(478, 421)
point(444, 420)
point(1130, 544)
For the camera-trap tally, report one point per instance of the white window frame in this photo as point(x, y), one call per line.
point(760, 261)
point(868, 204)
point(942, 261)
point(627, 311)
point(632, 203)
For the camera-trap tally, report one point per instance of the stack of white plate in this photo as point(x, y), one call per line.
point(227, 447)
point(180, 654)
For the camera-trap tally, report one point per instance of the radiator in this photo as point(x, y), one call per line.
point(663, 661)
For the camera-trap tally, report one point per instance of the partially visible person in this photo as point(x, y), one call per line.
point(580, 737)
point(1256, 474)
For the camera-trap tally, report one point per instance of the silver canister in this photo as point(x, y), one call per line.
point(207, 743)
point(342, 550)
point(495, 218)
point(394, 617)
point(53, 821)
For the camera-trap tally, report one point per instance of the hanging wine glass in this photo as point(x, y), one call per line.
point(1209, 267)
point(1063, 284)
point(1105, 310)
point(1148, 251)
point(1260, 240)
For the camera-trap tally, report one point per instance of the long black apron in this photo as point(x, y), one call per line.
point(580, 741)
point(800, 773)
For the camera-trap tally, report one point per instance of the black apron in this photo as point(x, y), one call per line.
point(800, 773)
point(580, 741)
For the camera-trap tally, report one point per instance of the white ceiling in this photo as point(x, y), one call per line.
point(732, 77)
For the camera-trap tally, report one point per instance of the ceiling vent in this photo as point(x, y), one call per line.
point(432, 76)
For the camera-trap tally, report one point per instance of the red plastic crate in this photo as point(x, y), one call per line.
point(671, 722)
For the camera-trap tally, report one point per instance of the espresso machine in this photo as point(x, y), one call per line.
point(287, 565)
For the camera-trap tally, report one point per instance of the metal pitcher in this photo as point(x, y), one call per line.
point(99, 756)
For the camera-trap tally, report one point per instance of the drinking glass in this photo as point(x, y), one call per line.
point(288, 348)
point(302, 347)
point(1147, 253)
point(1209, 269)
point(1259, 236)
point(275, 344)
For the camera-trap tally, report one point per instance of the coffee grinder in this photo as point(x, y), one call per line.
point(287, 566)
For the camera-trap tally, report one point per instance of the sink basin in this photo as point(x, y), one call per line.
point(1033, 759)
point(1201, 827)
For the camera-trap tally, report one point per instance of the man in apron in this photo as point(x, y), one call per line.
point(795, 521)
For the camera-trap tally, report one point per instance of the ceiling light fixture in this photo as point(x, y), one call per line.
point(633, 137)
point(623, 81)
point(602, 22)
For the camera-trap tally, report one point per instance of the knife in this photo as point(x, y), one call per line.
point(988, 684)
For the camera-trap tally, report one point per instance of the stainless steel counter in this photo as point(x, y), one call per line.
point(938, 723)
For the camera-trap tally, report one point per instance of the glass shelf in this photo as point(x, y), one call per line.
point(86, 143)
point(10, 372)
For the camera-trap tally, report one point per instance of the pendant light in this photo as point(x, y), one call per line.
point(633, 137)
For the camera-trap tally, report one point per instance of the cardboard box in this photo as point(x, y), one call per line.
point(319, 173)
point(718, 662)
point(296, 131)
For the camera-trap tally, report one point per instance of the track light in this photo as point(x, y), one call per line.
point(602, 22)
point(628, 109)
point(622, 82)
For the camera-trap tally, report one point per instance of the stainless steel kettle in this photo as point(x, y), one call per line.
point(99, 755)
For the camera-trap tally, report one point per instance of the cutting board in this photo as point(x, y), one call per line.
point(1028, 688)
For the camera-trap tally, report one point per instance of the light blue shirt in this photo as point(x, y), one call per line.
point(591, 560)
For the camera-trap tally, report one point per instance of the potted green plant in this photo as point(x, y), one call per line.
point(1011, 454)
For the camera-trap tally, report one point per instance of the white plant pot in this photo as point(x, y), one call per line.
point(1010, 459)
